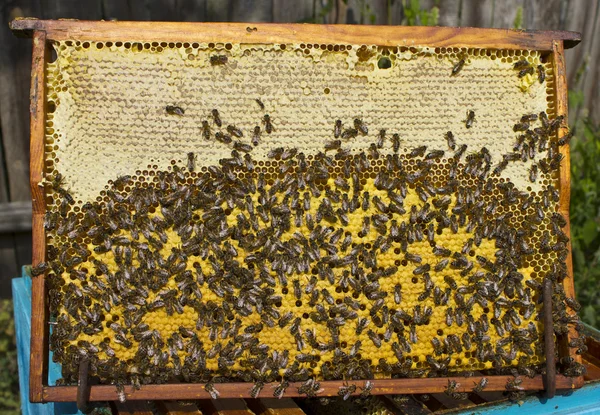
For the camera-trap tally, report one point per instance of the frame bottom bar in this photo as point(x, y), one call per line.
point(189, 391)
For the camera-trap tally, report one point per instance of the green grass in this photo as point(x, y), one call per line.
point(585, 216)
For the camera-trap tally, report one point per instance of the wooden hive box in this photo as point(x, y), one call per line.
point(447, 236)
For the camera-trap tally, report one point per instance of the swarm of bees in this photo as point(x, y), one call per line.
point(319, 254)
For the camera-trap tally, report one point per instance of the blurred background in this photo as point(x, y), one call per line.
point(583, 64)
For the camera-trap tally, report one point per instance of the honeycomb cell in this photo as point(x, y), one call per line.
point(205, 263)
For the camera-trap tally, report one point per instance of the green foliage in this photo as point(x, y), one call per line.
point(518, 22)
point(415, 16)
point(9, 375)
point(585, 214)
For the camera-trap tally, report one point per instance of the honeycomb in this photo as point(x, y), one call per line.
point(285, 212)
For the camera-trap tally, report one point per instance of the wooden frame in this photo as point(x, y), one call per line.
point(42, 31)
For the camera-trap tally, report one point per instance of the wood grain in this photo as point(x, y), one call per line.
point(273, 406)
point(14, 83)
point(224, 407)
point(178, 408)
point(564, 177)
point(39, 327)
point(330, 388)
point(296, 33)
point(550, 377)
point(133, 408)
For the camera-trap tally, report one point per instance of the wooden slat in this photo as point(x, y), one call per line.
point(330, 388)
point(15, 217)
point(14, 83)
point(411, 406)
point(39, 328)
point(272, 406)
point(450, 403)
point(224, 407)
point(133, 408)
point(433, 404)
point(294, 33)
point(564, 177)
point(549, 343)
point(178, 408)
point(593, 370)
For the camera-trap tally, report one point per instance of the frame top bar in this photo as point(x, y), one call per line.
point(294, 33)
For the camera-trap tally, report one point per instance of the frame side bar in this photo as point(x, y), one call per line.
point(39, 328)
point(560, 79)
point(290, 33)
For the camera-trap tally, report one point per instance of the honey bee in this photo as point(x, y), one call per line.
point(366, 389)
point(239, 146)
point(565, 139)
point(361, 126)
point(450, 140)
point(39, 269)
point(395, 142)
point(434, 154)
point(216, 117)
point(346, 391)
point(523, 63)
point(541, 74)
point(332, 145)
point(461, 150)
point(337, 129)
point(470, 118)
point(256, 388)
point(280, 389)
point(218, 60)
point(349, 133)
point(422, 269)
point(234, 131)
point(533, 173)
point(457, 67)
point(415, 258)
point(174, 110)
point(191, 161)
point(500, 167)
point(521, 126)
point(212, 391)
point(268, 124)
point(526, 71)
point(418, 152)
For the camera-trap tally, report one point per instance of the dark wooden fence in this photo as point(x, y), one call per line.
point(583, 63)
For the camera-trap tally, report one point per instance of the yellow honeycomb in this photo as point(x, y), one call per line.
point(108, 118)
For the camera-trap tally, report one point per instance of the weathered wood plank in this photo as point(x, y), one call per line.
point(133, 408)
point(564, 177)
point(251, 11)
point(178, 408)
point(15, 217)
point(272, 406)
point(224, 407)
point(409, 405)
point(218, 10)
point(39, 327)
point(477, 13)
point(282, 13)
point(71, 9)
point(278, 33)
point(14, 80)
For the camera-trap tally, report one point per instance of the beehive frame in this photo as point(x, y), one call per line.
point(550, 43)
